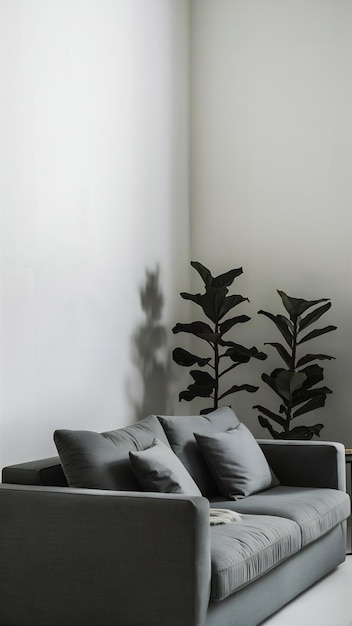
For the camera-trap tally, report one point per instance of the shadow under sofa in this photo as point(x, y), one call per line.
point(123, 557)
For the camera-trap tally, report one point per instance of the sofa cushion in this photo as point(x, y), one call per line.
point(316, 511)
point(158, 469)
point(180, 431)
point(236, 462)
point(101, 460)
point(243, 551)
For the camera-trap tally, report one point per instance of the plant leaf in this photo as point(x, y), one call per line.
point(288, 382)
point(211, 301)
point(197, 298)
point(194, 391)
point(282, 352)
point(302, 432)
point(313, 316)
point(302, 395)
point(235, 388)
point(315, 403)
point(276, 418)
point(186, 359)
point(240, 354)
point(201, 388)
point(226, 279)
point(316, 333)
point(229, 303)
point(282, 323)
point(314, 374)
point(312, 357)
point(199, 329)
point(206, 411)
point(265, 424)
point(296, 306)
point(203, 272)
point(225, 326)
point(223, 280)
point(271, 382)
point(203, 378)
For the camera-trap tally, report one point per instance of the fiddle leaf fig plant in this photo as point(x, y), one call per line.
point(225, 355)
point(296, 383)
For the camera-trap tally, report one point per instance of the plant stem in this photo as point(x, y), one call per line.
point(292, 365)
point(216, 368)
point(294, 346)
point(228, 369)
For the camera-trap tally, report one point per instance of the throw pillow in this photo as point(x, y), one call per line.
point(180, 431)
point(100, 460)
point(158, 469)
point(236, 462)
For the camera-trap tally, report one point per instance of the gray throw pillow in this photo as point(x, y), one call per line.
point(158, 469)
point(236, 462)
point(180, 431)
point(100, 460)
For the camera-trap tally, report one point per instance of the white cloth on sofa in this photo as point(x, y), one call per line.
point(223, 516)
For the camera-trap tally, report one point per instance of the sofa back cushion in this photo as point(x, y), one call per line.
point(180, 431)
point(101, 460)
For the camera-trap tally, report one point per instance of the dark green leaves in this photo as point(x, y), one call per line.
point(235, 388)
point(283, 324)
point(316, 333)
point(313, 357)
point(202, 387)
point(296, 385)
point(282, 352)
point(223, 280)
point(240, 354)
point(199, 329)
point(224, 327)
point(216, 303)
point(297, 306)
point(186, 359)
point(314, 316)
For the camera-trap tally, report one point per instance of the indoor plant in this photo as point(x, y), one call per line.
point(216, 304)
point(296, 383)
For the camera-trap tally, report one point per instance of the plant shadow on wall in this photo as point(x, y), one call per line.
point(225, 355)
point(149, 351)
point(296, 384)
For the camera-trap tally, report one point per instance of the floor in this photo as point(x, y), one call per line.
point(328, 603)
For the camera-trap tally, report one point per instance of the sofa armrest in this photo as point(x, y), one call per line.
point(102, 558)
point(306, 463)
point(39, 472)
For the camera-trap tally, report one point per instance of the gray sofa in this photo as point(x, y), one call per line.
point(102, 552)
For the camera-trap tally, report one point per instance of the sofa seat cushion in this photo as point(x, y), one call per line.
point(315, 510)
point(101, 460)
point(180, 431)
point(245, 550)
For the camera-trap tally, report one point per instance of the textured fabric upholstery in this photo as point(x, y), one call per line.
point(236, 462)
point(316, 511)
point(306, 463)
point(253, 603)
point(39, 472)
point(74, 557)
point(180, 431)
point(245, 550)
point(158, 469)
point(101, 460)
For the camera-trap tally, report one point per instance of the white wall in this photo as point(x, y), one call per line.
point(271, 172)
point(93, 192)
